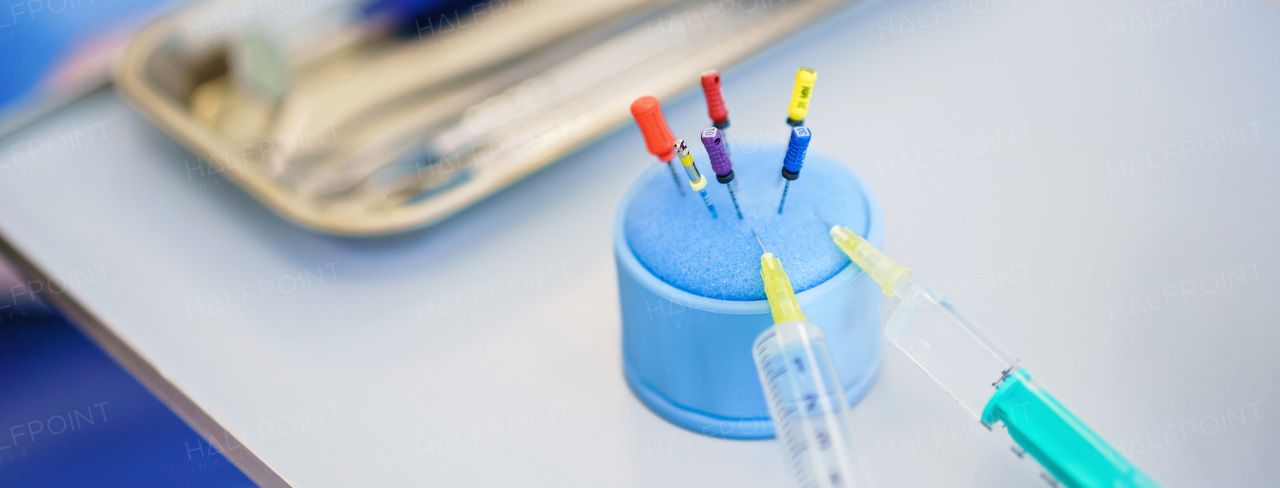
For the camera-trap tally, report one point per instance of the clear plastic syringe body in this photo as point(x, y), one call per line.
point(987, 382)
point(930, 331)
point(947, 345)
point(802, 388)
point(807, 404)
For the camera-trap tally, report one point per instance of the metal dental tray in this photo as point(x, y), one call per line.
point(386, 134)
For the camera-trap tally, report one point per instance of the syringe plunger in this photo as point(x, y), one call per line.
point(987, 382)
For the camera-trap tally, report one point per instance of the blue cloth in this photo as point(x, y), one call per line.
point(70, 416)
point(35, 35)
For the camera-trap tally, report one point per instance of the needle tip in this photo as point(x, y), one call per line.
point(824, 221)
point(753, 232)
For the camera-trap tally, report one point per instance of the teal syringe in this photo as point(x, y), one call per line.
point(987, 382)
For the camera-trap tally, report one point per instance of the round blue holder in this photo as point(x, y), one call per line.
point(693, 301)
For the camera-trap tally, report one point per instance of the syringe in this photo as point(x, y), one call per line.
point(805, 396)
point(987, 382)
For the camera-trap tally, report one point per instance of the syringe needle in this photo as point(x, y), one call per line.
point(824, 221)
point(938, 338)
point(777, 288)
point(801, 386)
point(762, 249)
point(794, 159)
point(876, 264)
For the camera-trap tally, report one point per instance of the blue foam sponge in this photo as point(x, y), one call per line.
point(693, 303)
point(675, 238)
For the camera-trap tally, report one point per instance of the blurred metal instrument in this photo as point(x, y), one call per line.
point(383, 134)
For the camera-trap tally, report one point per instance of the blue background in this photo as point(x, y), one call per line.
point(31, 43)
point(49, 369)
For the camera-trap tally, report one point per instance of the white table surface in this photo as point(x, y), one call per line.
point(1094, 181)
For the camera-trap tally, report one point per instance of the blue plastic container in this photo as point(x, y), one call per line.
point(692, 298)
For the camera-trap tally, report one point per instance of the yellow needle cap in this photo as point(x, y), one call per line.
point(801, 93)
point(782, 299)
point(882, 269)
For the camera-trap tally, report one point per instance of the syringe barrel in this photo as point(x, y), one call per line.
point(996, 390)
point(947, 345)
point(807, 403)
